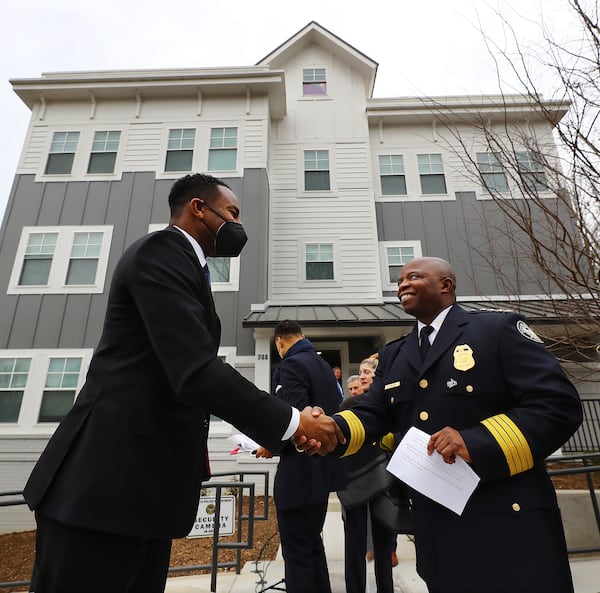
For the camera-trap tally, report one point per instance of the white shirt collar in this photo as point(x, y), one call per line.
point(436, 323)
point(195, 245)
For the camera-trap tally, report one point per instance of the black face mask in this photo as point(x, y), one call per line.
point(230, 237)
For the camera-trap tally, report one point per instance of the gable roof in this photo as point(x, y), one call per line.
point(316, 34)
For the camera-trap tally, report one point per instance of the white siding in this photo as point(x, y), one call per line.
point(254, 147)
point(34, 151)
point(144, 148)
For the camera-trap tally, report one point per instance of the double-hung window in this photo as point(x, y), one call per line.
point(222, 154)
point(391, 172)
point(180, 149)
point(314, 82)
point(394, 254)
point(104, 152)
point(37, 260)
point(60, 260)
point(431, 174)
point(492, 172)
point(531, 171)
point(38, 386)
point(13, 381)
point(319, 261)
point(62, 153)
point(316, 170)
point(60, 388)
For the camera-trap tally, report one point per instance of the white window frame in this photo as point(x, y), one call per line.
point(383, 258)
point(325, 283)
point(431, 173)
point(234, 267)
point(165, 149)
point(35, 386)
point(60, 261)
point(91, 152)
point(326, 94)
point(219, 148)
point(82, 155)
point(75, 153)
point(317, 193)
point(395, 174)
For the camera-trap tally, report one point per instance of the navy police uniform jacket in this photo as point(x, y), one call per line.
point(303, 379)
point(491, 378)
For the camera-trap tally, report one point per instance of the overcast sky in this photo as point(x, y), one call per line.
point(423, 47)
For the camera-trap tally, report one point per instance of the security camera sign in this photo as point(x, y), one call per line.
point(204, 525)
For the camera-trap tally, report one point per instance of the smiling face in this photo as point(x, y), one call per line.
point(425, 287)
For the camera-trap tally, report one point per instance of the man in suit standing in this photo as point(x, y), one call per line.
point(303, 483)
point(121, 475)
point(485, 388)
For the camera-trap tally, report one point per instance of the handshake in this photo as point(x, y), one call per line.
point(317, 432)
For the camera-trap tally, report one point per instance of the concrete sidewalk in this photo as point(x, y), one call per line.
point(586, 571)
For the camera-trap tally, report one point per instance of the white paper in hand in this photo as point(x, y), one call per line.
point(450, 485)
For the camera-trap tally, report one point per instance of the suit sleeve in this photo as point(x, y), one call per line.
point(166, 284)
point(543, 408)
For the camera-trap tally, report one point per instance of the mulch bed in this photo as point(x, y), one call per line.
point(17, 550)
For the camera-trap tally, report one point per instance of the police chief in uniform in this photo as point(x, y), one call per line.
point(487, 390)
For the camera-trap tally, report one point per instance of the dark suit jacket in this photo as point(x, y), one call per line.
point(493, 380)
point(130, 456)
point(305, 379)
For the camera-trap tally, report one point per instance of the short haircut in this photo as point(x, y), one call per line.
point(287, 328)
point(352, 378)
point(198, 185)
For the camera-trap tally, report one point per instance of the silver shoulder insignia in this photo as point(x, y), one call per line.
point(527, 332)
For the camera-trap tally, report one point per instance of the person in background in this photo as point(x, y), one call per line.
point(367, 479)
point(354, 386)
point(122, 473)
point(303, 483)
point(337, 373)
point(366, 371)
point(487, 390)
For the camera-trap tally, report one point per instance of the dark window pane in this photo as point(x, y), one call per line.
point(393, 185)
point(55, 405)
point(59, 163)
point(35, 272)
point(316, 180)
point(10, 405)
point(314, 88)
point(433, 184)
point(179, 160)
point(102, 162)
point(82, 271)
point(319, 270)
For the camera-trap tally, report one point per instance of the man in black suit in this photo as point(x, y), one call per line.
point(303, 483)
point(121, 475)
point(485, 388)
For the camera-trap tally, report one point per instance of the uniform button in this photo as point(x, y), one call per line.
point(391, 400)
point(516, 507)
point(469, 388)
point(423, 416)
point(423, 383)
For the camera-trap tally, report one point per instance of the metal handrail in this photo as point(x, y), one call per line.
point(242, 517)
point(587, 469)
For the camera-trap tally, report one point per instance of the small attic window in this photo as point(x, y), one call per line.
point(314, 81)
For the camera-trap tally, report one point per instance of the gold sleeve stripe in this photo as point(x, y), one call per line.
point(357, 432)
point(512, 441)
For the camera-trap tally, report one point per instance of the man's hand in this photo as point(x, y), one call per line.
point(262, 452)
point(317, 433)
point(448, 443)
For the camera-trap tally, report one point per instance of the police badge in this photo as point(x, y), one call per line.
point(463, 357)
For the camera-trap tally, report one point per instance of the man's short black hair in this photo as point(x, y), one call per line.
point(198, 185)
point(287, 328)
